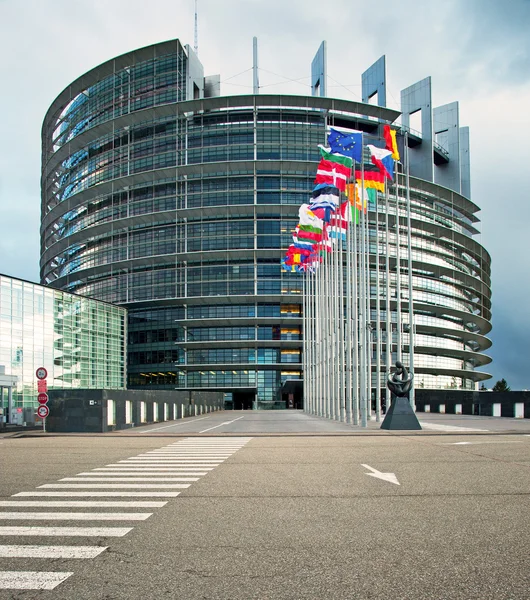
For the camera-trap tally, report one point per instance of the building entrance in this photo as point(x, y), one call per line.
point(244, 400)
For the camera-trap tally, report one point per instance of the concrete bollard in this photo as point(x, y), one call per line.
point(442, 409)
point(496, 408)
point(518, 410)
point(427, 408)
point(458, 409)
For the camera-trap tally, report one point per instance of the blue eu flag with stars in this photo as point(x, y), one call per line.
point(347, 144)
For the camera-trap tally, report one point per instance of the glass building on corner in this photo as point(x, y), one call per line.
point(79, 341)
point(164, 197)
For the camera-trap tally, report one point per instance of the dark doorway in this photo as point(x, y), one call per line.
point(243, 400)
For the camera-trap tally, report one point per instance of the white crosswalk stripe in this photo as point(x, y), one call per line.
point(31, 580)
point(73, 516)
point(120, 474)
point(151, 475)
point(19, 551)
point(129, 479)
point(80, 504)
point(115, 485)
point(94, 494)
point(66, 531)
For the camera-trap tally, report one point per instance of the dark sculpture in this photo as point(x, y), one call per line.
point(400, 383)
point(400, 415)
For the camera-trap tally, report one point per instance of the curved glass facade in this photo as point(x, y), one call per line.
point(180, 210)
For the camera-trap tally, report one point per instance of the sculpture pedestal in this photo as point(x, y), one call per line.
point(400, 416)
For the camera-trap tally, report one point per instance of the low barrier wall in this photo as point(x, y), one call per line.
point(99, 411)
point(486, 404)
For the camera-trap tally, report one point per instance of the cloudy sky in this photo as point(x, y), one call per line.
point(477, 52)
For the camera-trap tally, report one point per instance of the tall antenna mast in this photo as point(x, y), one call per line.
point(196, 43)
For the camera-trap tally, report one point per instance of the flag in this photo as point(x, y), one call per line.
point(326, 154)
point(372, 179)
point(302, 235)
point(323, 213)
point(303, 244)
point(391, 142)
point(308, 217)
point(347, 144)
point(333, 174)
point(288, 267)
point(324, 196)
point(383, 160)
point(338, 226)
point(355, 195)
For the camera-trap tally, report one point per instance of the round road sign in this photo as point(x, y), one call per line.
point(43, 411)
point(41, 373)
point(42, 398)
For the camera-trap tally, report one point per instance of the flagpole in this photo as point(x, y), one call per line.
point(368, 282)
point(362, 302)
point(340, 325)
point(398, 274)
point(377, 317)
point(389, 336)
point(412, 321)
point(348, 316)
point(327, 340)
point(355, 321)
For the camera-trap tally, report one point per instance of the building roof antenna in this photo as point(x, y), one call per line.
point(196, 38)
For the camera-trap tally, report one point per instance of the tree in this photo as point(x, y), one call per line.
point(501, 386)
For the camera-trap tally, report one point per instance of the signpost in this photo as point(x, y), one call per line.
point(42, 386)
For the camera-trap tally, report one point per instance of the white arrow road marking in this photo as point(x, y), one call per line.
point(390, 477)
point(220, 425)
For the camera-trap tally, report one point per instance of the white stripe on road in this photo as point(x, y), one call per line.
point(124, 478)
point(437, 427)
point(99, 494)
point(189, 453)
point(220, 425)
point(204, 446)
point(171, 461)
point(31, 580)
point(138, 486)
point(176, 456)
point(134, 472)
point(19, 551)
point(67, 531)
point(167, 463)
point(81, 504)
point(193, 456)
point(174, 425)
point(72, 516)
point(148, 467)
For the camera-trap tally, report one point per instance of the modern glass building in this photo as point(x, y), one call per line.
point(79, 341)
point(161, 196)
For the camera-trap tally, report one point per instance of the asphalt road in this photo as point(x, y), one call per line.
point(268, 516)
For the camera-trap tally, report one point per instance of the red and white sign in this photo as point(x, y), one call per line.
point(42, 386)
point(41, 373)
point(42, 398)
point(43, 411)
